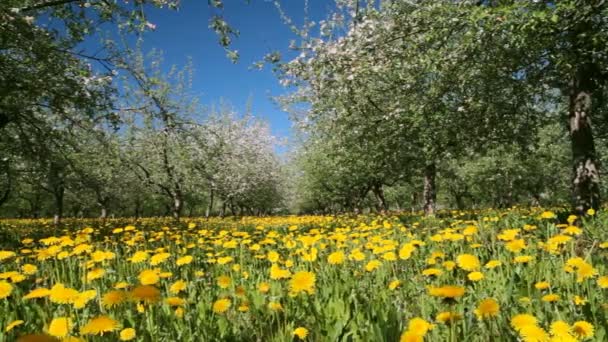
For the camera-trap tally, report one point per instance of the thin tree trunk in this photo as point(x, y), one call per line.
point(177, 205)
point(4, 196)
point(429, 195)
point(585, 165)
point(58, 206)
point(459, 200)
point(379, 192)
point(223, 212)
point(137, 208)
point(104, 213)
point(210, 206)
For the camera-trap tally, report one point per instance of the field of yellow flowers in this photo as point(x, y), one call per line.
point(514, 275)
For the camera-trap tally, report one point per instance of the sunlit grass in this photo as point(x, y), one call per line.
point(462, 276)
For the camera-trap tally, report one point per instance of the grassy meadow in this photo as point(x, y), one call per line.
point(511, 275)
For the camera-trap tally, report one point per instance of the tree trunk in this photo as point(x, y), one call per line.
point(223, 212)
point(585, 166)
point(58, 206)
point(414, 202)
point(4, 196)
point(137, 210)
point(379, 192)
point(210, 206)
point(232, 210)
point(177, 206)
point(459, 200)
point(104, 213)
point(429, 195)
point(535, 202)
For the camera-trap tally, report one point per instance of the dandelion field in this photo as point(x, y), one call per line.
point(462, 276)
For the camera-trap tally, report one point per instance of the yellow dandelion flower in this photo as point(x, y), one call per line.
point(138, 257)
point(302, 281)
point(127, 334)
point(406, 251)
point(408, 336)
point(221, 305)
point(419, 326)
point(5, 289)
point(560, 329)
point(521, 320)
point(552, 297)
point(159, 258)
point(263, 287)
point(29, 269)
point(277, 273)
point(275, 306)
point(336, 258)
point(475, 276)
point(6, 254)
point(449, 291)
point(547, 215)
point(224, 282)
point(60, 327)
point(83, 298)
point(99, 326)
point(487, 308)
point(273, 256)
point(394, 284)
point(300, 332)
point(523, 259)
point(603, 282)
point(175, 301)
point(447, 317)
point(493, 264)
point(468, 262)
point(225, 260)
point(178, 286)
point(13, 324)
point(516, 245)
point(63, 295)
point(185, 260)
point(113, 298)
point(582, 329)
point(37, 293)
point(372, 265)
point(95, 274)
point(533, 333)
point(145, 293)
point(449, 265)
point(432, 272)
point(149, 277)
point(578, 300)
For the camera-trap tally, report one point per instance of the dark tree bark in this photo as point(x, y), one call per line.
point(58, 197)
point(379, 193)
point(223, 212)
point(210, 206)
point(56, 186)
point(585, 165)
point(413, 201)
point(430, 192)
point(5, 194)
point(137, 211)
point(103, 201)
point(178, 205)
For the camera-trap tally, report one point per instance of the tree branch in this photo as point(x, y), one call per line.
point(47, 4)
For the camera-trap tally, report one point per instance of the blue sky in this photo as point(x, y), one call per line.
point(185, 33)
